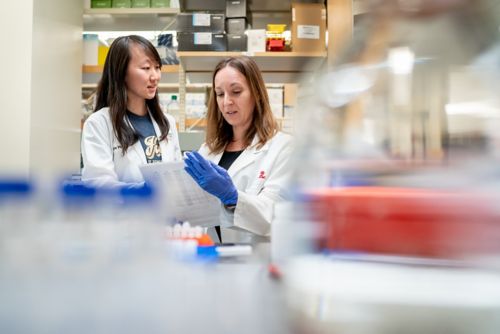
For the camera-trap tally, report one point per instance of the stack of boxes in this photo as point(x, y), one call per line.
point(201, 32)
point(236, 23)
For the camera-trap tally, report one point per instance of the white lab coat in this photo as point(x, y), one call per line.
point(261, 176)
point(104, 163)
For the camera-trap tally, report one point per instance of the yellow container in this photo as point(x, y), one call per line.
point(102, 52)
point(276, 28)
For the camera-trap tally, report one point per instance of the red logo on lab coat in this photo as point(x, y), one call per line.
point(262, 175)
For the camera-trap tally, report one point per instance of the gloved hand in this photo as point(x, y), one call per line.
point(212, 178)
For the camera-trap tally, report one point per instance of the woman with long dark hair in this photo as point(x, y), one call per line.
point(128, 127)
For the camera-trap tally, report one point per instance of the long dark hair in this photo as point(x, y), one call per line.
point(112, 90)
point(219, 131)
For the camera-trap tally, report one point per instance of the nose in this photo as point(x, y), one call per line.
point(155, 75)
point(227, 100)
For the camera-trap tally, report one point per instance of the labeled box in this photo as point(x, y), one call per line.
point(122, 3)
point(100, 4)
point(256, 40)
point(200, 22)
point(308, 27)
point(140, 3)
point(236, 25)
point(160, 3)
point(236, 8)
point(236, 42)
point(201, 41)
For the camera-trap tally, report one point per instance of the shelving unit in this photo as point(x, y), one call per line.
point(195, 69)
point(276, 67)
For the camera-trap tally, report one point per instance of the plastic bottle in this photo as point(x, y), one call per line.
point(173, 109)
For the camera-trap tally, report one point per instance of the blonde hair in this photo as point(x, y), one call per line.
point(220, 132)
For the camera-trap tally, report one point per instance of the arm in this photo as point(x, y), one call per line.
point(97, 152)
point(255, 209)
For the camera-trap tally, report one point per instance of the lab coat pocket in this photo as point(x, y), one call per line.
point(256, 187)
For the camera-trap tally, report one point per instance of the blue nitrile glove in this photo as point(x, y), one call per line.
point(212, 178)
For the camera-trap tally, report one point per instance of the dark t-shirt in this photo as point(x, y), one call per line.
point(145, 130)
point(228, 158)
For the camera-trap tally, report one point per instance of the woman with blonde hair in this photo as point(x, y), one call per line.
point(244, 160)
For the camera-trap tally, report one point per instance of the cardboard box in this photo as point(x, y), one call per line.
point(308, 27)
point(200, 22)
point(140, 3)
point(236, 8)
point(100, 4)
point(122, 3)
point(201, 41)
point(256, 40)
point(290, 94)
point(160, 3)
point(236, 42)
point(236, 25)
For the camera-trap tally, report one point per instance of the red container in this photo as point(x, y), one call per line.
point(411, 222)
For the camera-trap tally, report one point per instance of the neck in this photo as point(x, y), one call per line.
point(238, 135)
point(137, 107)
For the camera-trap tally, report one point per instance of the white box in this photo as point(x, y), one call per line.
point(256, 40)
point(276, 100)
point(90, 49)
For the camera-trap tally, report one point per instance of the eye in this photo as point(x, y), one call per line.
point(219, 94)
point(237, 92)
point(146, 68)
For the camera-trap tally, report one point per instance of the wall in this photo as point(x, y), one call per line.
point(40, 86)
point(15, 90)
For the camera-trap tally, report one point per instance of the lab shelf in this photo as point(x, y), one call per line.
point(276, 67)
point(201, 61)
point(130, 11)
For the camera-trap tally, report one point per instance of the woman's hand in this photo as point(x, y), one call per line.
point(212, 178)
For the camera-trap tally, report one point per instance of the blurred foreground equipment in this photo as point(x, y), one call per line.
point(411, 109)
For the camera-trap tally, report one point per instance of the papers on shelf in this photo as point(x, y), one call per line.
point(186, 201)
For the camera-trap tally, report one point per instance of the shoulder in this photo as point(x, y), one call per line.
point(281, 139)
point(170, 118)
point(98, 121)
point(204, 150)
point(100, 116)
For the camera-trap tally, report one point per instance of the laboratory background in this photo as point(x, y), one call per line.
point(392, 224)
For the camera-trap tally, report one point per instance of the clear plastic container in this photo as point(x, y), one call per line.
point(174, 109)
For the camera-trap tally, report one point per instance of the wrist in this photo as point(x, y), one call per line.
point(231, 200)
point(230, 207)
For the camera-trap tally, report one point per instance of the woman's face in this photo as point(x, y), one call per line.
point(143, 75)
point(234, 98)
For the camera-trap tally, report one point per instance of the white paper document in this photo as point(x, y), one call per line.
point(186, 201)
